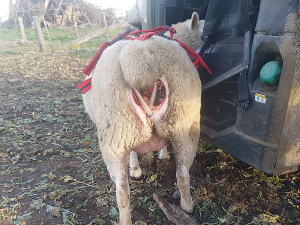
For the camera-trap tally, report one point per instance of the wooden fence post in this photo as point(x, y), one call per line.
point(22, 29)
point(39, 34)
point(46, 29)
point(105, 25)
point(75, 25)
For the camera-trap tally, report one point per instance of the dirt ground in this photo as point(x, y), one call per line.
point(52, 173)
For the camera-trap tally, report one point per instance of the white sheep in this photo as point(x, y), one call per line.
point(123, 74)
point(190, 31)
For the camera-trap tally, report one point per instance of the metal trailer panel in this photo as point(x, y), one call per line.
point(267, 134)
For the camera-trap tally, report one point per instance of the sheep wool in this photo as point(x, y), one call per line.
point(125, 70)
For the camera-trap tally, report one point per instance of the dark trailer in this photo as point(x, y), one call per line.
point(251, 102)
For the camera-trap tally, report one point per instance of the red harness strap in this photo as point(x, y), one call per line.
point(158, 31)
point(196, 59)
point(94, 61)
point(85, 86)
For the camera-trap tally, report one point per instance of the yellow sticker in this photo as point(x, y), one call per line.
point(260, 98)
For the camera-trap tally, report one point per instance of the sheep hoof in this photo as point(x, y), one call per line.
point(188, 208)
point(136, 173)
point(164, 155)
point(149, 154)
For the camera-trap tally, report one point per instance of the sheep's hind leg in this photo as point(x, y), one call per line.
point(135, 170)
point(164, 153)
point(117, 165)
point(185, 152)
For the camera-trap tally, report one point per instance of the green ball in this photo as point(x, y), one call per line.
point(270, 73)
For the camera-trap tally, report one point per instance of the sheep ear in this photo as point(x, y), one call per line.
point(194, 20)
point(201, 25)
